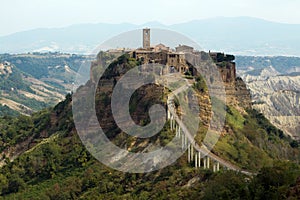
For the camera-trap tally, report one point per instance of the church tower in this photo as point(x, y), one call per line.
point(146, 38)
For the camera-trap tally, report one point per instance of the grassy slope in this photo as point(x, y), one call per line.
point(48, 68)
point(61, 168)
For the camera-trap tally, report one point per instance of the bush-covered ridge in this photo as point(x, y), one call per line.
point(57, 166)
point(37, 80)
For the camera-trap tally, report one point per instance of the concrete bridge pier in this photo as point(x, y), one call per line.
point(185, 140)
point(168, 115)
point(199, 159)
point(178, 131)
point(189, 153)
point(216, 166)
point(192, 152)
point(174, 122)
point(171, 121)
point(207, 162)
point(182, 142)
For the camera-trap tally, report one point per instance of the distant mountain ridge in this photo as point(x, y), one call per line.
point(237, 35)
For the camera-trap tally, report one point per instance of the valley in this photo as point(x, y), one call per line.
point(41, 152)
point(149, 100)
point(42, 155)
point(31, 82)
point(274, 83)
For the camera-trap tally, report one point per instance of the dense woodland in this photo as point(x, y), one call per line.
point(59, 167)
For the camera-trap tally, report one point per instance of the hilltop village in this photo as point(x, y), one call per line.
point(174, 59)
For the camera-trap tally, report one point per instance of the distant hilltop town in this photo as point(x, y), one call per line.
point(175, 58)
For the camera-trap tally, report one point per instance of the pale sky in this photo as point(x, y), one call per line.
point(20, 15)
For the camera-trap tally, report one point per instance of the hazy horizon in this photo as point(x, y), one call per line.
point(149, 22)
point(32, 14)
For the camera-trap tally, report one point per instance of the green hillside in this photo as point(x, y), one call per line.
point(53, 163)
point(57, 166)
point(6, 111)
point(40, 65)
point(34, 81)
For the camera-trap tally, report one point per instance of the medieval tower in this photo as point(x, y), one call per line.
point(146, 38)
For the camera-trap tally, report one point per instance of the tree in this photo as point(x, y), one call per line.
point(15, 183)
point(274, 182)
point(3, 183)
point(228, 185)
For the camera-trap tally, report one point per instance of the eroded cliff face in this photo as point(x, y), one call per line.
point(277, 97)
point(237, 94)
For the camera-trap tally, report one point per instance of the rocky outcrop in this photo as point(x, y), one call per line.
point(277, 97)
point(237, 93)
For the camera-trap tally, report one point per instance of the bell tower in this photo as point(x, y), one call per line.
point(146, 38)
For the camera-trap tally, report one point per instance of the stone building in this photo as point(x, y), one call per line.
point(159, 54)
point(184, 48)
point(174, 60)
point(146, 38)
